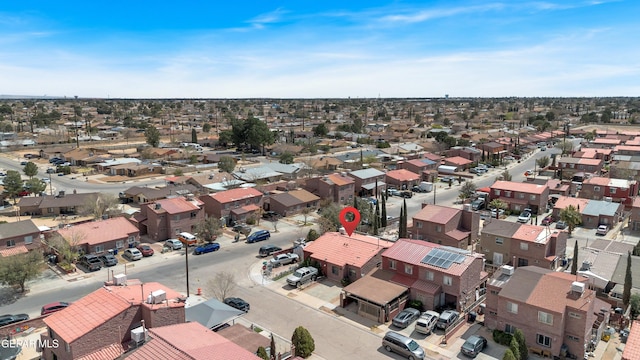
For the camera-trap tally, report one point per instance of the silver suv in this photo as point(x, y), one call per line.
point(427, 322)
point(302, 275)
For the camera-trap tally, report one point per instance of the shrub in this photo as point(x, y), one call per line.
point(312, 235)
point(262, 353)
point(502, 337)
point(416, 304)
point(303, 342)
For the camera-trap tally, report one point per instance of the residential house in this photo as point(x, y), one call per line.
point(142, 194)
point(632, 347)
point(593, 153)
point(425, 167)
point(520, 196)
point(18, 237)
point(628, 168)
point(593, 212)
point(603, 188)
point(221, 204)
point(166, 218)
point(346, 258)
point(292, 202)
point(85, 157)
point(288, 171)
point(214, 182)
point(326, 163)
point(493, 150)
point(107, 165)
point(100, 325)
point(555, 311)
point(445, 225)
point(134, 170)
point(366, 181)
point(569, 166)
point(627, 150)
point(258, 174)
point(62, 204)
point(538, 246)
point(469, 153)
point(338, 187)
point(97, 237)
point(401, 179)
point(618, 279)
point(634, 215)
point(598, 260)
point(54, 152)
point(458, 162)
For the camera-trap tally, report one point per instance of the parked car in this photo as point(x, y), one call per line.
point(477, 204)
point(206, 248)
point(602, 230)
point(259, 235)
point(495, 213)
point(403, 345)
point(108, 260)
point(53, 160)
point(474, 345)
point(405, 317)
point(173, 244)
point(393, 192)
point(561, 225)
point(478, 170)
point(90, 262)
point(12, 319)
point(270, 215)
point(146, 250)
point(509, 157)
point(267, 250)
point(53, 307)
point(237, 303)
point(528, 173)
point(243, 229)
point(427, 322)
point(547, 220)
point(132, 254)
point(302, 275)
point(525, 216)
point(284, 259)
point(447, 318)
point(406, 194)
point(448, 179)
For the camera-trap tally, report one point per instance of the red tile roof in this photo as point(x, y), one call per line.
point(189, 341)
point(98, 232)
point(436, 214)
point(458, 160)
point(564, 201)
point(19, 249)
point(175, 205)
point(558, 283)
point(532, 233)
point(607, 141)
point(403, 175)
point(340, 180)
point(632, 348)
point(235, 195)
point(341, 249)
point(413, 251)
point(529, 188)
point(113, 351)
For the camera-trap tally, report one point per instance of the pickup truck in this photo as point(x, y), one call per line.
point(302, 275)
point(284, 259)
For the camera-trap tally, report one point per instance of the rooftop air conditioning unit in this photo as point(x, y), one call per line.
point(158, 296)
point(342, 231)
point(608, 199)
point(578, 287)
point(139, 335)
point(120, 279)
point(467, 207)
point(507, 270)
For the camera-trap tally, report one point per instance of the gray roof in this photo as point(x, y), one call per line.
point(19, 228)
point(286, 199)
point(353, 155)
point(366, 173)
point(66, 201)
point(256, 173)
point(599, 207)
point(621, 270)
point(500, 228)
point(211, 313)
point(160, 193)
point(522, 283)
point(284, 168)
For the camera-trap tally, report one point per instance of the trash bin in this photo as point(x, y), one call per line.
point(471, 317)
point(115, 251)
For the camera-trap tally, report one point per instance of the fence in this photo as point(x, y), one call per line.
point(283, 346)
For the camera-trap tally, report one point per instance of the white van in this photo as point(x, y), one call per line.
point(427, 322)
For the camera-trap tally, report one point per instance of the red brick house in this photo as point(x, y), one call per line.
point(292, 202)
point(459, 162)
point(520, 196)
point(166, 218)
point(592, 212)
point(338, 187)
point(447, 226)
point(97, 237)
point(220, 204)
point(99, 325)
point(424, 167)
point(346, 257)
point(634, 216)
point(469, 153)
point(569, 166)
point(632, 347)
point(366, 180)
point(552, 309)
point(618, 190)
point(19, 237)
point(402, 179)
point(493, 150)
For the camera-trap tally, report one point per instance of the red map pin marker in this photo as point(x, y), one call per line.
point(349, 226)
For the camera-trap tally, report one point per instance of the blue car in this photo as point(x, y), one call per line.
point(206, 248)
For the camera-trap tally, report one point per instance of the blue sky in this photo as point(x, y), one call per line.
point(319, 49)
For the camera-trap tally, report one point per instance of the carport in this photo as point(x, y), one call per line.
point(377, 299)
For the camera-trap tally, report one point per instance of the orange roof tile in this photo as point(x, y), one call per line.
point(304, 195)
point(175, 205)
point(16, 250)
point(529, 188)
point(113, 351)
point(458, 160)
point(564, 201)
point(98, 232)
point(436, 214)
point(340, 249)
point(235, 195)
point(340, 180)
point(403, 175)
point(531, 233)
point(632, 348)
point(413, 251)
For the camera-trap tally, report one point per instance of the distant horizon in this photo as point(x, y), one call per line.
point(321, 50)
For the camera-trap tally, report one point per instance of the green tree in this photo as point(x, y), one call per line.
point(320, 130)
point(312, 235)
point(153, 136)
point(515, 348)
point(628, 282)
point(252, 132)
point(209, 229)
point(467, 190)
point(16, 270)
point(100, 204)
point(543, 162)
point(508, 355)
point(225, 138)
point(302, 342)
point(227, 164)
point(506, 176)
point(262, 353)
point(522, 344)
point(565, 146)
point(35, 186)
point(178, 172)
point(13, 184)
point(194, 136)
point(574, 262)
point(498, 205)
point(206, 128)
point(286, 158)
point(31, 169)
point(634, 302)
point(571, 216)
point(329, 218)
point(383, 216)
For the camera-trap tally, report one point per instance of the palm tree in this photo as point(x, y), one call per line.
point(571, 216)
point(498, 205)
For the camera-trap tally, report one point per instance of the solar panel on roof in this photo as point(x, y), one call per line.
point(442, 258)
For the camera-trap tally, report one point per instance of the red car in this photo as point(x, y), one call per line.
point(547, 220)
point(24, 193)
point(53, 307)
point(146, 250)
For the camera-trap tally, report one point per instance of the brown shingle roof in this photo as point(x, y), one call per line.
point(235, 194)
point(18, 228)
point(436, 214)
point(304, 195)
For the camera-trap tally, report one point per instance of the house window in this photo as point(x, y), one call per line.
point(496, 192)
point(50, 210)
point(11, 243)
point(575, 315)
point(419, 224)
point(521, 195)
point(499, 241)
point(524, 246)
point(507, 193)
point(543, 340)
point(573, 338)
point(545, 318)
point(429, 275)
point(193, 215)
point(494, 292)
point(392, 264)
point(596, 188)
point(178, 231)
point(493, 313)
point(438, 228)
point(512, 307)
point(571, 166)
point(352, 273)
point(509, 329)
point(612, 190)
point(408, 269)
point(28, 240)
point(98, 249)
point(447, 280)
point(177, 217)
point(131, 239)
point(532, 197)
point(335, 270)
point(119, 244)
